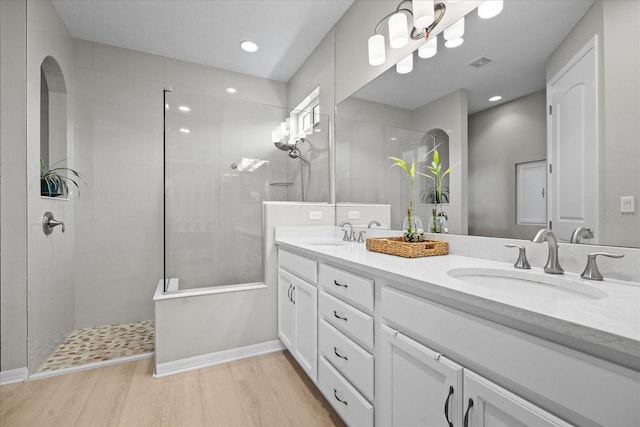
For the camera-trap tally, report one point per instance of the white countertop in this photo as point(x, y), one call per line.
point(607, 327)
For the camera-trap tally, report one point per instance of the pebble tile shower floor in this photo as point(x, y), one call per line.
point(102, 343)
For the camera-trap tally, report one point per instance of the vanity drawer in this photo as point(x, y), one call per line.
point(348, 403)
point(347, 357)
point(347, 286)
point(353, 322)
point(302, 267)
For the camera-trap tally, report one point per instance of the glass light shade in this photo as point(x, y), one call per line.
point(423, 13)
point(398, 30)
point(490, 8)
point(405, 65)
point(453, 43)
point(429, 49)
point(275, 136)
point(455, 31)
point(376, 50)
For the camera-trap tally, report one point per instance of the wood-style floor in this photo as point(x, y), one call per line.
point(268, 390)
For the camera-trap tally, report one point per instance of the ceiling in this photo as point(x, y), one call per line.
point(209, 32)
point(519, 41)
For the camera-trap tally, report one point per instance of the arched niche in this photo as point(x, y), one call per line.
point(53, 114)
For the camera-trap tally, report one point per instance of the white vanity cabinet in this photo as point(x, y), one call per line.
point(298, 311)
point(346, 369)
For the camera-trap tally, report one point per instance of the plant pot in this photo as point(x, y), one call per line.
point(49, 189)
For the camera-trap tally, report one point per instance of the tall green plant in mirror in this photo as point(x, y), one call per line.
point(55, 180)
point(439, 217)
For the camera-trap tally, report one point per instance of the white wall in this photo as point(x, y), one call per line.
point(119, 132)
point(51, 258)
point(13, 184)
point(500, 137)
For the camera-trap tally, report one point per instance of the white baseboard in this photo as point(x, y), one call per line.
point(13, 376)
point(210, 359)
point(92, 365)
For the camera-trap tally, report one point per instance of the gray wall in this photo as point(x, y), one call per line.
point(13, 184)
point(617, 25)
point(500, 137)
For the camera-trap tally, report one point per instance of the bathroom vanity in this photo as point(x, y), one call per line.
point(431, 341)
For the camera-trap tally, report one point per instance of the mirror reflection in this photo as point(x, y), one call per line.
point(490, 97)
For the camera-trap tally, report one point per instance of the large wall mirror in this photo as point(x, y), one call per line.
point(500, 149)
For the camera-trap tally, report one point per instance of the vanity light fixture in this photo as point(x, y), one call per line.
point(495, 98)
point(231, 90)
point(455, 31)
point(405, 65)
point(429, 49)
point(184, 108)
point(416, 12)
point(249, 46)
point(454, 43)
point(490, 8)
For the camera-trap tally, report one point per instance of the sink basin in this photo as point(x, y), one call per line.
point(527, 283)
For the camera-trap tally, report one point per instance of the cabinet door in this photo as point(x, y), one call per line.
point(285, 308)
point(305, 343)
point(488, 405)
point(416, 386)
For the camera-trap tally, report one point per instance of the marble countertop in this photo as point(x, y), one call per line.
point(603, 321)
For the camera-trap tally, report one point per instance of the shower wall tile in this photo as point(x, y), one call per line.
point(119, 132)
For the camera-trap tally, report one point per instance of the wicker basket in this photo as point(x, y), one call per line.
point(397, 246)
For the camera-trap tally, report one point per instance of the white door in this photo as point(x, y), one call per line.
point(417, 386)
point(489, 405)
point(285, 308)
point(573, 145)
point(305, 300)
point(531, 189)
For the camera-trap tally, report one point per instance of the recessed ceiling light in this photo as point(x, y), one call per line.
point(249, 46)
point(317, 130)
point(495, 98)
point(166, 106)
point(454, 43)
point(184, 108)
point(185, 130)
point(231, 90)
point(394, 138)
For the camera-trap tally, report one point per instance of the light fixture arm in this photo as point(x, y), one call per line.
point(416, 34)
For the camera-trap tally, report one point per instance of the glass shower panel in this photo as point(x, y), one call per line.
point(220, 165)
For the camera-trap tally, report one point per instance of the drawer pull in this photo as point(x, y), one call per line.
point(335, 394)
point(337, 316)
point(335, 351)
point(466, 414)
point(335, 282)
point(446, 406)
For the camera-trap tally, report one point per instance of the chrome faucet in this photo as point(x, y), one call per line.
point(374, 222)
point(581, 233)
point(349, 236)
point(553, 264)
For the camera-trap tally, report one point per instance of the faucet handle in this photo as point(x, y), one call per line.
point(346, 236)
point(361, 236)
point(522, 261)
point(591, 271)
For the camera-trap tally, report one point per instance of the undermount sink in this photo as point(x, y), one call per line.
point(527, 283)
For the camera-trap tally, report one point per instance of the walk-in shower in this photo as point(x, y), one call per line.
point(220, 164)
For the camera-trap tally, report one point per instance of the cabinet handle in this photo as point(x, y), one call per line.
point(466, 414)
point(446, 406)
point(335, 394)
point(339, 317)
point(289, 292)
point(335, 351)
point(293, 289)
point(335, 282)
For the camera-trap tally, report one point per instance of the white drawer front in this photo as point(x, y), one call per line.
point(300, 266)
point(348, 403)
point(353, 322)
point(347, 286)
point(348, 358)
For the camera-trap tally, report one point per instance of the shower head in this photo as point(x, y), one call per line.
point(283, 146)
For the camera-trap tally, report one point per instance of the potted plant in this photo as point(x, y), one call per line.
point(441, 193)
point(412, 225)
point(55, 180)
